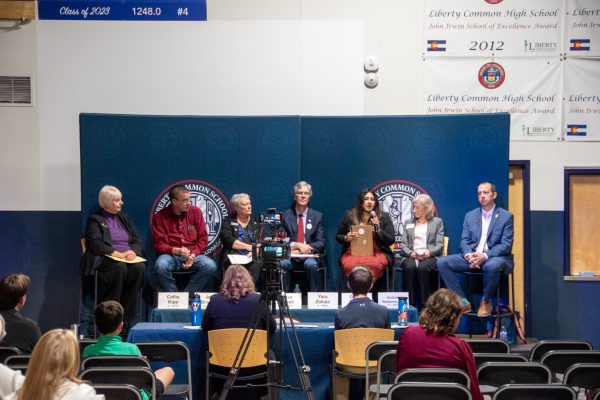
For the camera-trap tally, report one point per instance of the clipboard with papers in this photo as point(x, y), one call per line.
point(363, 244)
point(136, 260)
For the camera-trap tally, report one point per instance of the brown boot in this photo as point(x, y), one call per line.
point(485, 308)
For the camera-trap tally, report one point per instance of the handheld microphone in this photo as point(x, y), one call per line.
point(374, 215)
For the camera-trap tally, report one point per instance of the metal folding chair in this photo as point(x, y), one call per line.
point(488, 345)
point(118, 392)
point(170, 352)
point(544, 346)
point(138, 377)
point(373, 352)
point(114, 361)
point(428, 391)
point(535, 392)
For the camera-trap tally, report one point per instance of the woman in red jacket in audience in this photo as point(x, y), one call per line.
point(432, 343)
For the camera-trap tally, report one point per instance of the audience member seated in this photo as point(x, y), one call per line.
point(361, 311)
point(305, 228)
point(485, 246)
point(10, 380)
point(422, 241)
point(367, 212)
point(109, 322)
point(432, 343)
point(233, 307)
point(22, 333)
point(238, 233)
point(52, 371)
point(180, 240)
point(110, 232)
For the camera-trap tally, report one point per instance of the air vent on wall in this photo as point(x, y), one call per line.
point(15, 90)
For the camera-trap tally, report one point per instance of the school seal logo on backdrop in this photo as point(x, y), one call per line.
point(395, 198)
point(491, 75)
point(209, 200)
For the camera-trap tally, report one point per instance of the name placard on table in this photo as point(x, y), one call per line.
point(390, 299)
point(181, 300)
point(322, 300)
point(173, 300)
point(347, 296)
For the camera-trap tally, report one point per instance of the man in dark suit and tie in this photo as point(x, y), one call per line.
point(306, 231)
point(485, 245)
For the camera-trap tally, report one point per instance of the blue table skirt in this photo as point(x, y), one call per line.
point(316, 343)
point(304, 315)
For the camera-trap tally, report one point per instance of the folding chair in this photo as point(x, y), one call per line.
point(428, 391)
point(138, 377)
point(20, 359)
point(544, 346)
point(492, 375)
point(8, 351)
point(350, 350)
point(18, 362)
point(118, 392)
point(373, 352)
point(434, 375)
point(560, 360)
point(482, 358)
point(114, 361)
point(535, 392)
point(583, 375)
point(169, 352)
point(488, 345)
point(386, 367)
point(223, 346)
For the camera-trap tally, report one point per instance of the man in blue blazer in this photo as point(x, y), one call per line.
point(306, 231)
point(485, 245)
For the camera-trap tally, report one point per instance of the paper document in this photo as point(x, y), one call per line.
point(300, 255)
point(240, 259)
point(136, 260)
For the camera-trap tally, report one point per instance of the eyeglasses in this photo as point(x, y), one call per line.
point(303, 193)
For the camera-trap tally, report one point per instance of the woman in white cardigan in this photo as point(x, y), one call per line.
point(52, 371)
point(10, 380)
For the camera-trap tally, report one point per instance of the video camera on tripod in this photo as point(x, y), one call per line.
point(273, 243)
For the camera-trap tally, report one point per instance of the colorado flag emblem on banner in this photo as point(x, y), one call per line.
point(576, 130)
point(580, 45)
point(436, 45)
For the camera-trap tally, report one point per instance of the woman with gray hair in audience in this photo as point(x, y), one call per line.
point(238, 233)
point(10, 380)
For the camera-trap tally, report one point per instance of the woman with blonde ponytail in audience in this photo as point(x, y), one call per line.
point(52, 371)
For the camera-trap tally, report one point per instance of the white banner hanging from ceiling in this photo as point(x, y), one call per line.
point(582, 30)
point(582, 99)
point(529, 89)
point(485, 28)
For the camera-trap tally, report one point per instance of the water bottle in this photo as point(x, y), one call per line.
point(402, 311)
point(503, 334)
point(297, 288)
point(196, 310)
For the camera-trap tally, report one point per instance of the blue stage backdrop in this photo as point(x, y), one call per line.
point(398, 156)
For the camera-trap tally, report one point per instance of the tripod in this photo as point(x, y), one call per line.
point(271, 296)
